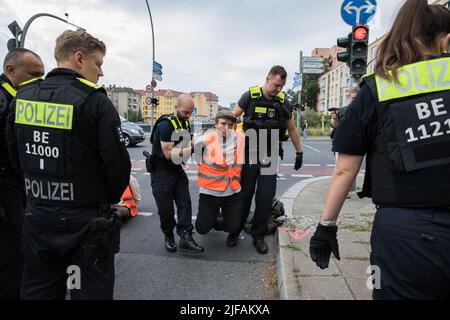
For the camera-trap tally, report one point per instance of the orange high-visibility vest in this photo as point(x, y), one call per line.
point(128, 201)
point(214, 172)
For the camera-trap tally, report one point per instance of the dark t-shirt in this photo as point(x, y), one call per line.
point(357, 128)
point(245, 100)
point(164, 131)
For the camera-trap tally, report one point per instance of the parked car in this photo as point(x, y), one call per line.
point(132, 133)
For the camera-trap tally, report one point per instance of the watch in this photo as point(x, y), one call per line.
point(329, 223)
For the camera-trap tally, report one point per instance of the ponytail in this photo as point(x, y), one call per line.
point(413, 36)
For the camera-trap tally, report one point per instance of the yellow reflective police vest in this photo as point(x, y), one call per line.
point(409, 160)
point(58, 167)
point(263, 114)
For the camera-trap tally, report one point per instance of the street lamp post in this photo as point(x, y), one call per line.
point(153, 63)
point(21, 43)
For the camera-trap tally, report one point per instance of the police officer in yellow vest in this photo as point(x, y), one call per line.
point(401, 121)
point(267, 114)
point(219, 177)
point(65, 135)
point(20, 65)
point(171, 145)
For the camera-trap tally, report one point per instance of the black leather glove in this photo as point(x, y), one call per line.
point(322, 243)
point(298, 161)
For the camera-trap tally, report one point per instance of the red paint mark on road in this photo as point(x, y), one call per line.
point(297, 233)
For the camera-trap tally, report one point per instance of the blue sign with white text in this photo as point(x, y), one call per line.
point(157, 65)
point(358, 11)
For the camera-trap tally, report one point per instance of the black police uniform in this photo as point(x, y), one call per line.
point(405, 132)
point(261, 113)
point(169, 181)
point(65, 134)
point(12, 204)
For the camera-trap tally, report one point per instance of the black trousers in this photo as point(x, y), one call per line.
point(265, 185)
point(171, 186)
point(411, 248)
point(55, 261)
point(12, 200)
point(208, 210)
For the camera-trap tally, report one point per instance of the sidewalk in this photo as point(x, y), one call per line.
point(298, 276)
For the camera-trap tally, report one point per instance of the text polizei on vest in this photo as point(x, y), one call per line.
point(48, 190)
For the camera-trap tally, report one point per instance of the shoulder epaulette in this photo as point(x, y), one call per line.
point(25, 83)
point(255, 92)
point(9, 88)
point(92, 85)
point(281, 96)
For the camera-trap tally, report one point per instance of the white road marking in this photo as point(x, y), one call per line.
point(145, 214)
point(331, 165)
point(287, 165)
point(312, 148)
point(147, 173)
point(136, 169)
point(311, 165)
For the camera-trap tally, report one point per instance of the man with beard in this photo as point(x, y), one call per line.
point(170, 183)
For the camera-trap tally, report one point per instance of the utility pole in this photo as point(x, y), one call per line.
point(153, 63)
point(299, 110)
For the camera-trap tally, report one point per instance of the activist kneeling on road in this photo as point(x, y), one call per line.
point(219, 177)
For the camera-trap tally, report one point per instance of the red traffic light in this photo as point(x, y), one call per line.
point(360, 33)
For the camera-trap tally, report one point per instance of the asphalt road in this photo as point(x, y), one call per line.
point(145, 270)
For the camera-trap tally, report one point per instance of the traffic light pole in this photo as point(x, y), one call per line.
point(153, 63)
point(299, 109)
point(27, 26)
point(351, 82)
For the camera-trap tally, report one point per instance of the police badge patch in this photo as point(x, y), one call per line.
point(271, 113)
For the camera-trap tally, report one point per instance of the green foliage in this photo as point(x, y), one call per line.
point(310, 91)
point(135, 116)
point(314, 120)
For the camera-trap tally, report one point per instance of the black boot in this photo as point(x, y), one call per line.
point(188, 244)
point(260, 245)
point(171, 246)
point(232, 239)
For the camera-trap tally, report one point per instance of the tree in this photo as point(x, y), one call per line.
point(310, 91)
point(327, 62)
point(135, 116)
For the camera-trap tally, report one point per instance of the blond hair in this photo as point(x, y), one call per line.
point(71, 41)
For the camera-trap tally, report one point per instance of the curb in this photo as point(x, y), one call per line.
point(286, 286)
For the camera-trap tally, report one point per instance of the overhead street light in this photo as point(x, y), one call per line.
point(17, 31)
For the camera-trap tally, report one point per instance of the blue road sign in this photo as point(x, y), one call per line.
point(157, 65)
point(157, 71)
point(358, 11)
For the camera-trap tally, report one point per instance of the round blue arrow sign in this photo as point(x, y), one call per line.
point(358, 11)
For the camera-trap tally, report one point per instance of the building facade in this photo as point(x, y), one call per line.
point(124, 99)
point(206, 104)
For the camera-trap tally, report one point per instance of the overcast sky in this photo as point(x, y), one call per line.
point(222, 46)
